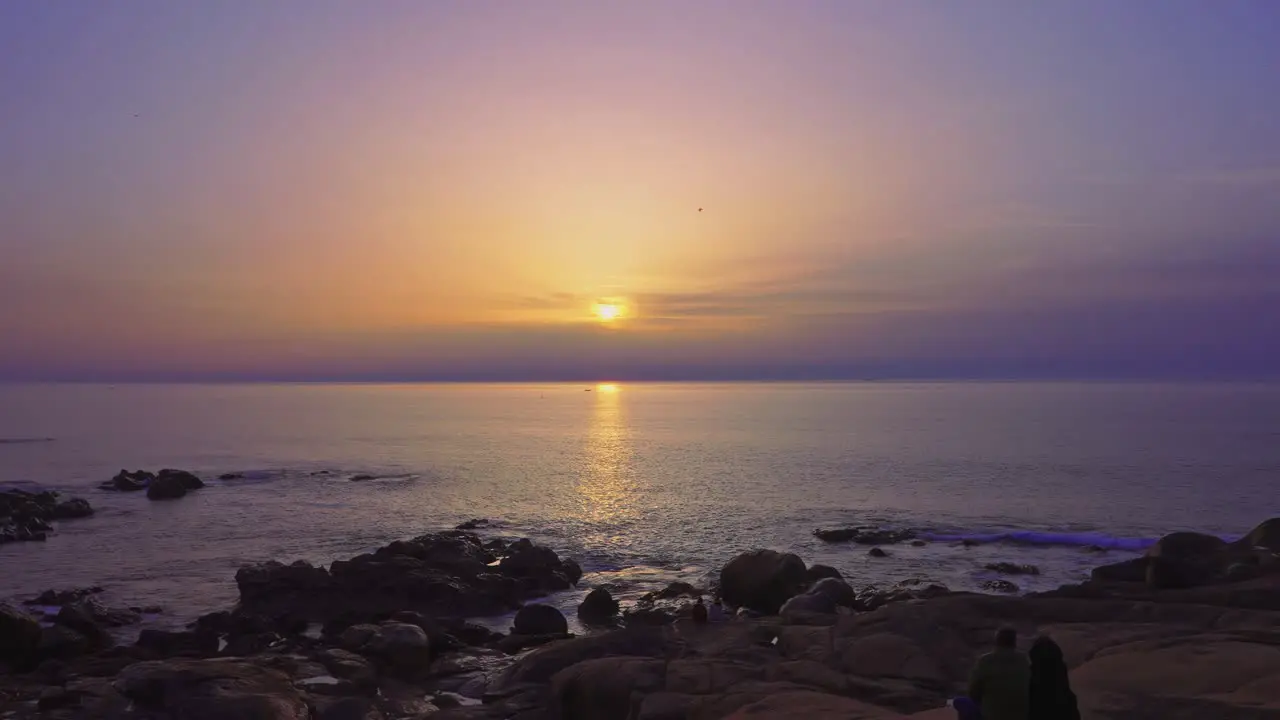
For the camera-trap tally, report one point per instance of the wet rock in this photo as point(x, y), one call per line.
point(189, 480)
point(762, 580)
point(662, 607)
point(91, 618)
point(1240, 572)
point(809, 603)
point(19, 638)
point(246, 645)
point(876, 552)
point(441, 575)
point(473, 524)
point(572, 570)
point(166, 488)
point(71, 509)
point(400, 648)
point(62, 643)
point(62, 597)
point(819, 572)
point(217, 688)
point(92, 609)
point(1000, 586)
point(166, 643)
point(1265, 535)
point(56, 698)
point(349, 708)
point(362, 477)
point(836, 590)
point(875, 598)
point(26, 516)
point(539, 619)
point(1008, 568)
point(918, 543)
point(231, 476)
point(1128, 571)
point(598, 608)
point(865, 536)
point(349, 666)
point(516, 643)
point(126, 481)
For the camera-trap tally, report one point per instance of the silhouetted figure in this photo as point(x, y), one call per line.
point(700, 612)
point(716, 613)
point(1050, 690)
point(1001, 680)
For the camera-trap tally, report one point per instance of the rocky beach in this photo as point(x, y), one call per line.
point(1189, 629)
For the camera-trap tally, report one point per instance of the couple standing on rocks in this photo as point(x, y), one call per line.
point(1008, 685)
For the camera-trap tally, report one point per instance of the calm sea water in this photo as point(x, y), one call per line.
point(643, 483)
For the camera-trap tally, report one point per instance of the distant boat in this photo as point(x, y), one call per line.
point(586, 389)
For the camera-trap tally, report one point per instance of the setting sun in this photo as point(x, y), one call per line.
point(607, 312)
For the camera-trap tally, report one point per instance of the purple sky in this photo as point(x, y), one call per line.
point(444, 190)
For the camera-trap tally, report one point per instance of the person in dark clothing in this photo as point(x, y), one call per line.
point(1050, 690)
point(700, 612)
point(1000, 681)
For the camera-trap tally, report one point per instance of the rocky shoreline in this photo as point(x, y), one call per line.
point(1190, 629)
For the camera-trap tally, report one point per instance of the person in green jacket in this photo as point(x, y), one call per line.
point(1000, 681)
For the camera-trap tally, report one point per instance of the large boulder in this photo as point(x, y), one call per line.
point(762, 580)
point(1266, 535)
point(1127, 571)
point(598, 608)
point(216, 688)
point(1186, 559)
point(166, 488)
point(188, 480)
point(539, 619)
point(19, 638)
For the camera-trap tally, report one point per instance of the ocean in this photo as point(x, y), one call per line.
point(642, 483)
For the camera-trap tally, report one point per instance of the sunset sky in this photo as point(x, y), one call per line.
point(764, 189)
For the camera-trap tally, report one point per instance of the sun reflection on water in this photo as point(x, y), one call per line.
point(606, 485)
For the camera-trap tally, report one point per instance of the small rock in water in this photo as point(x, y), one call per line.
point(918, 543)
point(231, 476)
point(62, 597)
point(361, 477)
point(1009, 568)
point(865, 536)
point(1000, 586)
point(876, 552)
point(474, 524)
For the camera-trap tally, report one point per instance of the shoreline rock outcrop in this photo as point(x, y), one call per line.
point(451, 574)
point(1136, 650)
point(28, 516)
